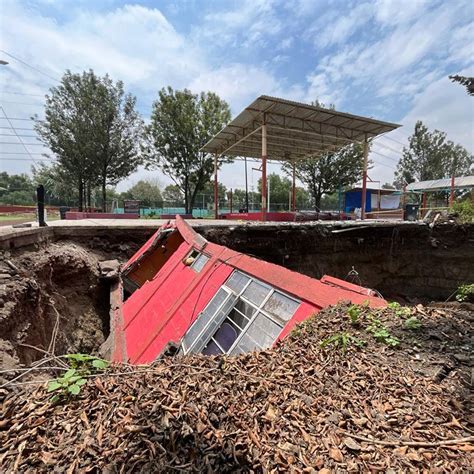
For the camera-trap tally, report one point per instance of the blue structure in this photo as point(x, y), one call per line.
point(353, 199)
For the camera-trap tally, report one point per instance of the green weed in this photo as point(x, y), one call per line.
point(342, 341)
point(354, 313)
point(412, 323)
point(81, 366)
point(465, 293)
point(381, 334)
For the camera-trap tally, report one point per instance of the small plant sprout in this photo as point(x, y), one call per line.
point(465, 293)
point(81, 366)
point(354, 313)
point(69, 384)
point(399, 310)
point(381, 334)
point(342, 341)
point(412, 323)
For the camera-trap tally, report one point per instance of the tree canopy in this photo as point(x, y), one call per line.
point(145, 191)
point(467, 82)
point(16, 189)
point(431, 156)
point(280, 193)
point(181, 123)
point(330, 172)
point(93, 129)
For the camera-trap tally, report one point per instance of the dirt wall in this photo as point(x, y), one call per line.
point(398, 260)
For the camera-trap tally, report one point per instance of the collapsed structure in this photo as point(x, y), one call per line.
point(181, 293)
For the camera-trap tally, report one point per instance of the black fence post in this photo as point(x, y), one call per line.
point(40, 200)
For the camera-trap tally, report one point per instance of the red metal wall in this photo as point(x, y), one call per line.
point(164, 308)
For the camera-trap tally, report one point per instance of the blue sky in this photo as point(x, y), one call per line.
point(388, 59)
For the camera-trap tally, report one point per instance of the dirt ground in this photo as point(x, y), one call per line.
point(51, 297)
point(359, 402)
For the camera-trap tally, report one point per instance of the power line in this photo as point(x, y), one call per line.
point(23, 143)
point(396, 141)
point(19, 153)
point(17, 135)
point(24, 159)
point(29, 65)
point(388, 148)
point(21, 103)
point(16, 128)
point(20, 93)
point(15, 118)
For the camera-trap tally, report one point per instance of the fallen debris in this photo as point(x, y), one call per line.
point(109, 269)
point(300, 407)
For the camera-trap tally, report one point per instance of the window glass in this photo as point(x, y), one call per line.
point(264, 331)
point(211, 349)
point(204, 318)
point(281, 306)
point(226, 335)
point(256, 292)
point(246, 344)
point(199, 262)
point(237, 281)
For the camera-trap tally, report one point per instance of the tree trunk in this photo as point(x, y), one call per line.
point(104, 193)
point(186, 196)
point(81, 194)
point(89, 192)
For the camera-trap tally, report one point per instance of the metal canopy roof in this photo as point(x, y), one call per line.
point(294, 130)
point(463, 182)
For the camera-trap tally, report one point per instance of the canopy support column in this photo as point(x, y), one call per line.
point(264, 172)
point(293, 190)
point(451, 193)
point(246, 188)
point(216, 193)
point(364, 179)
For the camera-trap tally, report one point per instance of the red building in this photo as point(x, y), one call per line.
point(180, 292)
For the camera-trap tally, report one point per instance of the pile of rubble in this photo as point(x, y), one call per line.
point(351, 389)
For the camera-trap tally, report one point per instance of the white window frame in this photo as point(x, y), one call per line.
point(195, 251)
point(258, 309)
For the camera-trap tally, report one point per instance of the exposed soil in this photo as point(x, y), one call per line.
point(358, 406)
point(51, 298)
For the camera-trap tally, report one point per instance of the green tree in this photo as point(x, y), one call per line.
point(172, 196)
point(16, 189)
point(280, 193)
point(467, 82)
point(57, 183)
point(147, 192)
point(330, 172)
point(93, 129)
point(181, 123)
point(206, 195)
point(238, 199)
point(431, 156)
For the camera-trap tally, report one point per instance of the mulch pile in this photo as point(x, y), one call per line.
point(298, 407)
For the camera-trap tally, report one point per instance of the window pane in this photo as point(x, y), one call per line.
point(264, 331)
point(246, 344)
point(245, 308)
point(237, 281)
point(226, 336)
point(281, 306)
point(199, 263)
point(215, 322)
point(204, 318)
point(256, 292)
point(212, 349)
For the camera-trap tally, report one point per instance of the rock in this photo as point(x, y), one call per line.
point(109, 269)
